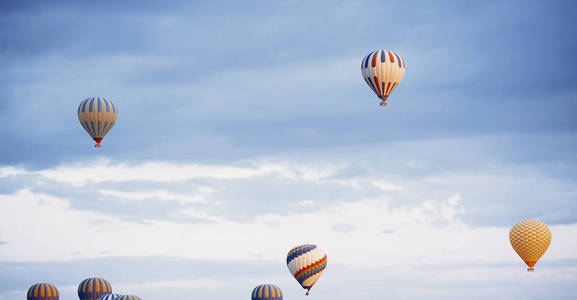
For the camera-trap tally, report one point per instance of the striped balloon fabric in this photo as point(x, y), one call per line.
point(93, 288)
point(530, 239)
point(266, 292)
point(128, 297)
point(306, 263)
point(97, 115)
point(109, 297)
point(43, 291)
point(383, 70)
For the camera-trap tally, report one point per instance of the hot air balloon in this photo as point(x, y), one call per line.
point(306, 263)
point(109, 297)
point(97, 115)
point(43, 291)
point(93, 288)
point(383, 70)
point(530, 239)
point(128, 297)
point(266, 292)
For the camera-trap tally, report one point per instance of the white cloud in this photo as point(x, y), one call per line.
point(451, 207)
point(104, 171)
point(11, 171)
point(201, 196)
point(28, 219)
point(387, 186)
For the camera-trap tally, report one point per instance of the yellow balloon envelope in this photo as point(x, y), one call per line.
point(530, 239)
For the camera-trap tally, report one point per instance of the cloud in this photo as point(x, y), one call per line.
point(343, 227)
point(451, 207)
point(200, 197)
point(489, 189)
point(27, 218)
point(103, 171)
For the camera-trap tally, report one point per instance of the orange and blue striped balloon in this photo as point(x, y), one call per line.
point(43, 291)
point(128, 297)
point(93, 288)
point(266, 292)
point(97, 115)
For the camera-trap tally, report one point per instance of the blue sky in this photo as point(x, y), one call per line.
point(246, 128)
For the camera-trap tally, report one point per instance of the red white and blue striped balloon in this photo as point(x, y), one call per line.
point(109, 297)
point(306, 263)
point(383, 70)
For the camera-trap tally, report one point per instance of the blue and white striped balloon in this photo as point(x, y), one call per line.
point(128, 297)
point(109, 297)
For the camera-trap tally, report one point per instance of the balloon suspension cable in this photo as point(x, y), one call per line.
point(531, 269)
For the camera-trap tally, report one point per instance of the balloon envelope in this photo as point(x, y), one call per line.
point(97, 115)
point(128, 297)
point(530, 239)
point(266, 292)
point(306, 263)
point(109, 297)
point(382, 70)
point(43, 291)
point(93, 288)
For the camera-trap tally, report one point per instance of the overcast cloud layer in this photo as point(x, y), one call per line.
point(246, 129)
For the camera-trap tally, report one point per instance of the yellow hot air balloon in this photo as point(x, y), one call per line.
point(530, 239)
point(97, 115)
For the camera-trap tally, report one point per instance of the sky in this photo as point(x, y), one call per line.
point(245, 129)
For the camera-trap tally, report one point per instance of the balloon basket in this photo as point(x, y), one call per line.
point(383, 103)
point(307, 294)
point(530, 270)
point(97, 145)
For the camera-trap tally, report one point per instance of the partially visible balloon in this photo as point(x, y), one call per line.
point(530, 239)
point(266, 292)
point(109, 297)
point(97, 115)
point(128, 297)
point(306, 263)
point(383, 70)
point(93, 288)
point(43, 291)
